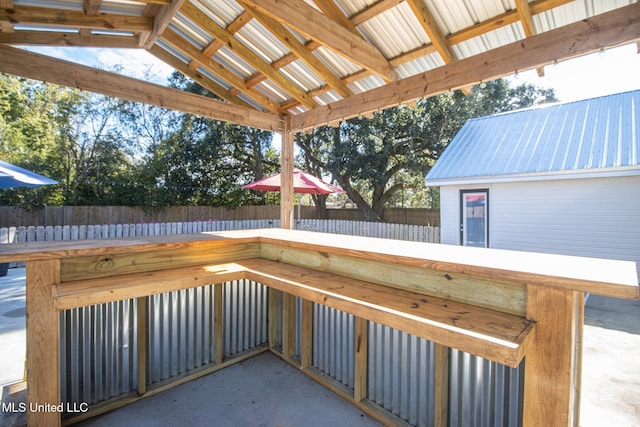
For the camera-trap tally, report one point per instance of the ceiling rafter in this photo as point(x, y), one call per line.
point(373, 10)
point(611, 29)
point(491, 24)
point(40, 38)
point(235, 26)
point(5, 26)
point(211, 27)
point(74, 19)
point(430, 26)
point(526, 19)
point(313, 24)
point(198, 77)
point(91, 7)
point(300, 51)
point(161, 21)
point(332, 11)
point(216, 68)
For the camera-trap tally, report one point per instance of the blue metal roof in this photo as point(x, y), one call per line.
point(594, 135)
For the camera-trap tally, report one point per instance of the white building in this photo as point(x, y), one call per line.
point(563, 179)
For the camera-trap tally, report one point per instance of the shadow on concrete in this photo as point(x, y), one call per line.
point(613, 313)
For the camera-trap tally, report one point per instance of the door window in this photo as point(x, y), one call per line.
point(474, 225)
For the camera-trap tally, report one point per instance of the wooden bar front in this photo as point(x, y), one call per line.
point(504, 306)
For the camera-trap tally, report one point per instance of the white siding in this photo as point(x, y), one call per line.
point(449, 215)
point(584, 217)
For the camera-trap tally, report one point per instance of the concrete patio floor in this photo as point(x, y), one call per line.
point(266, 391)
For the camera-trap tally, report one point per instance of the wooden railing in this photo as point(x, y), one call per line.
point(504, 306)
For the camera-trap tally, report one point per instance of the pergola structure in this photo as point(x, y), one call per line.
point(290, 66)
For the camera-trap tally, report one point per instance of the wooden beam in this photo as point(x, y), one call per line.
point(526, 20)
point(235, 26)
point(218, 323)
point(306, 335)
point(40, 67)
point(182, 45)
point(142, 337)
point(331, 10)
point(274, 313)
point(300, 51)
point(373, 10)
point(91, 7)
point(608, 30)
point(441, 386)
point(221, 34)
point(313, 24)
point(430, 26)
point(160, 22)
point(361, 363)
point(41, 38)
point(43, 343)
point(74, 19)
point(288, 325)
point(197, 76)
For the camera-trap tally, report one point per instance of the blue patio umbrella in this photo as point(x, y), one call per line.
point(12, 176)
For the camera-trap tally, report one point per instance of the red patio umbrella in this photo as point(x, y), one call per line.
point(302, 183)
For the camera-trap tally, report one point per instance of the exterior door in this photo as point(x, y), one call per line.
point(474, 218)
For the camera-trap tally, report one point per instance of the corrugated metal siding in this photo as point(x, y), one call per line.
point(484, 393)
point(99, 343)
point(597, 133)
point(401, 374)
point(333, 343)
point(98, 352)
point(245, 316)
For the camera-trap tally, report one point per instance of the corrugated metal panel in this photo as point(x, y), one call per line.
point(98, 351)
point(484, 393)
point(591, 134)
point(333, 343)
point(245, 316)
point(381, 31)
point(401, 374)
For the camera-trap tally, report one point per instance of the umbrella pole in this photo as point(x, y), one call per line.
point(298, 208)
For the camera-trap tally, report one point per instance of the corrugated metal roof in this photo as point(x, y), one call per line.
point(468, 28)
point(600, 134)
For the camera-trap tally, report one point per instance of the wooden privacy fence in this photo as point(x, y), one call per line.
point(84, 215)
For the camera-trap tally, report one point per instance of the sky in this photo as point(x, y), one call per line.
point(603, 73)
point(607, 72)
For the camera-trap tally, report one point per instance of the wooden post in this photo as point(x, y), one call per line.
point(306, 335)
point(441, 386)
point(43, 343)
point(361, 366)
point(142, 344)
point(286, 177)
point(218, 331)
point(550, 364)
point(288, 325)
point(273, 317)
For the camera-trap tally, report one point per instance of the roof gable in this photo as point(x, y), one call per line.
point(593, 135)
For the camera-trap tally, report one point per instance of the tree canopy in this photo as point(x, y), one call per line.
point(105, 151)
point(382, 161)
